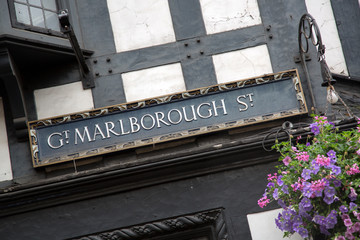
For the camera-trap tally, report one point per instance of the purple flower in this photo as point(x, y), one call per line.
point(303, 232)
point(336, 169)
point(337, 183)
point(270, 185)
point(306, 204)
point(297, 219)
point(319, 220)
point(349, 236)
point(287, 160)
point(324, 231)
point(276, 194)
point(357, 227)
point(314, 167)
point(307, 191)
point(306, 174)
point(329, 191)
point(329, 199)
point(308, 144)
point(345, 216)
point(285, 189)
point(315, 128)
point(331, 220)
point(352, 194)
point(347, 222)
point(278, 224)
point(343, 209)
point(287, 226)
point(282, 203)
point(331, 154)
point(279, 181)
point(352, 206)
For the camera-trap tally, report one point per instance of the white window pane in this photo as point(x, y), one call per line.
point(242, 64)
point(49, 4)
point(37, 17)
point(35, 2)
point(22, 13)
point(5, 163)
point(64, 99)
point(226, 15)
point(140, 23)
point(52, 21)
point(153, 82)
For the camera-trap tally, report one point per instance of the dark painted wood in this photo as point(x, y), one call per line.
point(187, 19)
point(347, 17)
point(282, 41)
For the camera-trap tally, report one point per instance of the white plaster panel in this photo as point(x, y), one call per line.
point(152, 82)
point(242, 64)
point(61, 100)
point(226, 15)
point(262, 226)
point(140, 23)
point(5, 163)
point(322, 11)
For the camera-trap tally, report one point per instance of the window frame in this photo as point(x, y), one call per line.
point(16, 24)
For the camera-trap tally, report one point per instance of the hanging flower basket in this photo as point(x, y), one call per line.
point(317, 184)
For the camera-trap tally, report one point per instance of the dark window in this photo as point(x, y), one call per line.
point(35, 15)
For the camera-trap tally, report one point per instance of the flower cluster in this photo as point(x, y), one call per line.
point(317, 184)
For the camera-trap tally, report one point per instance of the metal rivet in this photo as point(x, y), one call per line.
point(270, 36)
point(110, 70)
point(198, 40)
point(185, 44)
point(188, 56)
point(268, 28)
point(95, 61)
point(201, 52)
point(97, 74)
point(108, 59)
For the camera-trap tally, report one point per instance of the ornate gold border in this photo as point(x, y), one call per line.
point(161, 100)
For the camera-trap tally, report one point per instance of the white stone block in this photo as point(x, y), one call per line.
point(321, 10)
point(242, 64)
point(5, 163)
point(152, 82)
point(140, 23)
point(61, 100)
point(226, 15)
point(262, 226)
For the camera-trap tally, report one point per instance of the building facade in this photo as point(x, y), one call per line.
point(113, 57)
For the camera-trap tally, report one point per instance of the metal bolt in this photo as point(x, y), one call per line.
point(198, 40)
point(268, 28)
point(97, 74)
point(201, 52)
point(110, 70)
point(188, 56)
point(185, 44)
point(270, 36)
point(95, 61)
point(108, 59)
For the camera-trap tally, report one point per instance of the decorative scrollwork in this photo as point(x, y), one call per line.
point(309, 31)
point(168, 226)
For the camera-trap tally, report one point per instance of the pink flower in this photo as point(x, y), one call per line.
point(262, 202)
point(322, 160)
point(353, 170)
point(347, 222)
point(287, 160)
point(302, 156)
point(358, 152)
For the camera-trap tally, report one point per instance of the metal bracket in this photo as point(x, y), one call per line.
point(297, 58)
point(66, 28)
